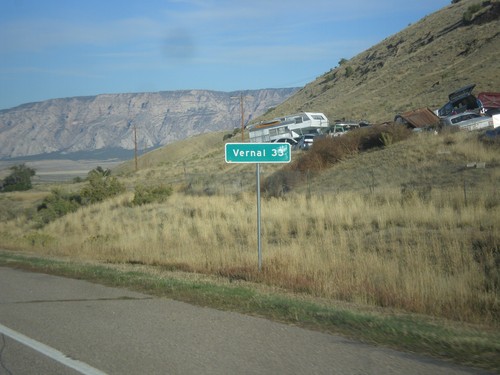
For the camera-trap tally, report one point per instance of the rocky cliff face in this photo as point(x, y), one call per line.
point(108, 121)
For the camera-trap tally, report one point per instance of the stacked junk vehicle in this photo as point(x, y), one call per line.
point(291, 127)
point(463, 110)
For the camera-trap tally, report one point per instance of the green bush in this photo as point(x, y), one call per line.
point(467, 16)
point(19, 179)
point(99, 171)
point(349, 71)
point(474, 8)
point(151, 194)
point(469, 13)
point(56, 205)
point(101, 186)
point(386, 139)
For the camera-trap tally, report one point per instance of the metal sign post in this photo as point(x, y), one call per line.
point(259, 242)
point(258, 153)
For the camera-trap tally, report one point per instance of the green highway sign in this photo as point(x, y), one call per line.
point(258, 153)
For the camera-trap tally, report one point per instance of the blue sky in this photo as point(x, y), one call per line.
point(63, 48)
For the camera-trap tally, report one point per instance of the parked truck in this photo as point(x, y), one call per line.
point(462, 100)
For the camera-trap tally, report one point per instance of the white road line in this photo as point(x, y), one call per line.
point(56, 355)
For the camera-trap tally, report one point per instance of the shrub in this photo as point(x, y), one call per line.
point(100, 171)
point(56, 205)
point(151, 194)
point(280, 183)
point(101, 186)
point(330, 76)
point(333, 150)
point(19, 179)
point(382, 135)
point(398, 132)
point(467, 16)
point(327, 151)
point(310, 162)
point(386, 138)
point(469, 13)
point(474, 8)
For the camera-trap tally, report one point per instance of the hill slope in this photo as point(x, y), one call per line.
point(417, 67)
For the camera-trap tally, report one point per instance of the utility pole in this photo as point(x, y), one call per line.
point(135, 148)
point(242, 118)
point(241, 97)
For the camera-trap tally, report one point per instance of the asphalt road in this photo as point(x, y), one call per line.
point(53, 325)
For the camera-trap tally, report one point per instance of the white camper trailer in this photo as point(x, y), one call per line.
point(292, 127)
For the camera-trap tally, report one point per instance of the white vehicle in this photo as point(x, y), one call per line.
point(338, 130)
point(306, 141)
point(292, 126)
point(468, 121)
point(291, 141)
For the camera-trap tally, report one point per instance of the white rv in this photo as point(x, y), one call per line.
point(289, 127)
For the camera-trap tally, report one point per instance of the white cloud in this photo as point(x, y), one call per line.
point(36, 35)
point(259, 21)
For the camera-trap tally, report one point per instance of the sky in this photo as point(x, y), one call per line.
point(64, 48)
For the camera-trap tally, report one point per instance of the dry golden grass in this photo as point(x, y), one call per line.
point(431, 251)
point(13, 204)
point(425, 257)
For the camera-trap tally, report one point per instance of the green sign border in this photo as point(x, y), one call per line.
point(258, 153)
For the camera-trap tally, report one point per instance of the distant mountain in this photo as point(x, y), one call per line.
point(79, 125)
point(417, 67)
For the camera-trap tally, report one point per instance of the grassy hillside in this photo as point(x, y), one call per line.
point(424, 160)
point(196, 163)
point(444, 161)
point(417, 67)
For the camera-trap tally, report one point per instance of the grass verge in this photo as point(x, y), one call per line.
point(464, 344)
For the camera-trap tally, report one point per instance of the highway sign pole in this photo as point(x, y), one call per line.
point(259, 242)
point(258, 153)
